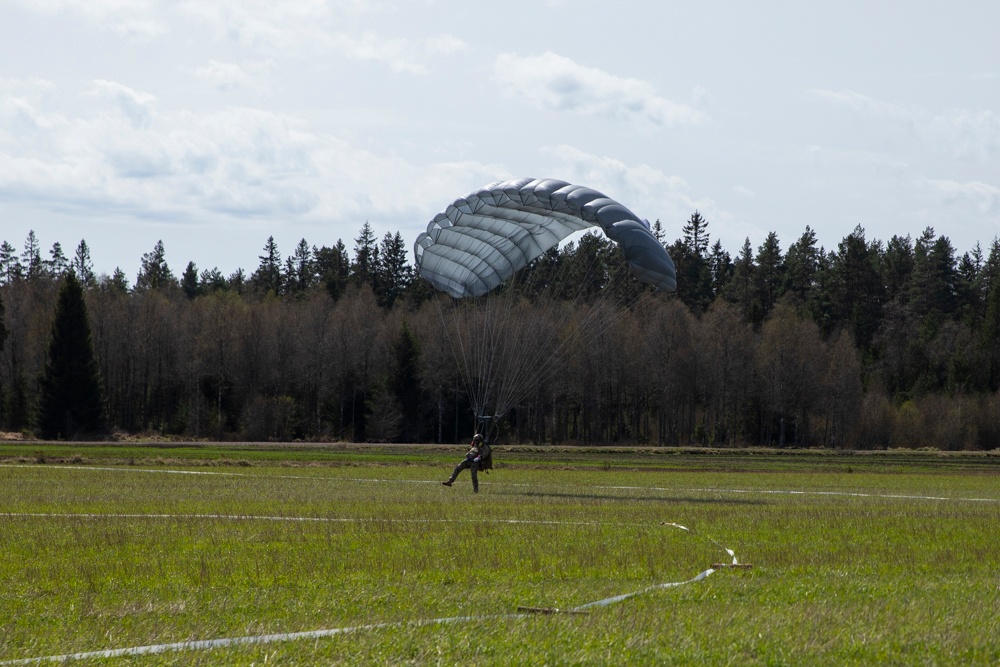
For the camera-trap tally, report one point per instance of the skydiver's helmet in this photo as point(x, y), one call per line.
point(477, 438)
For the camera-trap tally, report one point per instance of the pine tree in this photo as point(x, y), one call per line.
point(333, 268)
point(694, 274)
point(189, 281)
point(31, 259)
point(155, 273)
point(769, 275)
point(117, 282)
point(71, 403)
point(82, 264)
point(363, 269)
point(720, 266)
point(212, 280)
point(10, 264)
point(856, 286)
point(300, 268)
point(897, 262)
point(268, 276)
point(393, 273)
point(57, 264)
point(801, 266)
point(739, 289)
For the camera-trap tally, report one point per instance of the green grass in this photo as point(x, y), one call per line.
point(836, 579)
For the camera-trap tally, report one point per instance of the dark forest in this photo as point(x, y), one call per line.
point(868, 345)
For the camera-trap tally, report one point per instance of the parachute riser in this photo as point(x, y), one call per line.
point(488, 426)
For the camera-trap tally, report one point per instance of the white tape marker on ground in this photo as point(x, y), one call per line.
point(206, 644)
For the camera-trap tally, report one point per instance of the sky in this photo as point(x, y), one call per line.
point(211, 125)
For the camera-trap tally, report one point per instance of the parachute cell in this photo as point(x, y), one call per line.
point(484, 238)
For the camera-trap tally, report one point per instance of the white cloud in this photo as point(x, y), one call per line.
point(967, 134)
point(554, 82)
point(864, 105)
point(445, 45)
point(983, 197)
point(288, 27)
point(133, 104)
point(959, 133)
point(647, 191)
point(133, 18)
point(125, 155)
point(399, 54)
point(230, 76)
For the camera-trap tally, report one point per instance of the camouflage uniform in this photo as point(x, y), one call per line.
point(471, 461)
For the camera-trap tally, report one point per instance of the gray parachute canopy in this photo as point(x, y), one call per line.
point(485, 237)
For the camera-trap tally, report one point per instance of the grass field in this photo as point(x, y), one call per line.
point(886, 558)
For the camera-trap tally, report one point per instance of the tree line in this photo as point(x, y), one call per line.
point(867, 345)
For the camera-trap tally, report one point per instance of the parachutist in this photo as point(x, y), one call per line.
point(479, 457)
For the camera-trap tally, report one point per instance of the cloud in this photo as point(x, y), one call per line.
point(130, 103)
point(983, 197)
point(554, 82)
point(314, 28)
point(124, 155)
point(230, 76)
point(967, 134)
point(399, 54)
point(647, 191)
point(864, 105)
point(446, 45)
point(295, 26)
point(133, 18)
point(959, 133)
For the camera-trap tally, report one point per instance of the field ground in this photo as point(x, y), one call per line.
point(877, 558)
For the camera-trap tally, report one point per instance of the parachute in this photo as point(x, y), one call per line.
point(505, 346)
point(484, 238)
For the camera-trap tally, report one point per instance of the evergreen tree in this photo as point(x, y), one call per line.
point(237, 280)
point(31, 258)
point(897, 265)
point(71, 403)
point(10, 264)
point(57, 264)
point(740, 289)
point(857, 291)
point(154, 272)
point(189, 281)
point(363, 269)
point(694, 274)
point(333, 268)
point(968, 295)
point(658, 232)
point(768, 277)
point(989, 331)
point(117, 282)
point(931, 289)
point(212, 280)
point(394, 273)
point(268, 277)
point(720, 267)
point(801, 267)
point(300, 268)
point(82, 264)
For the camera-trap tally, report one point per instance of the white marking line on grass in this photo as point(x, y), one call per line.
point(373, 480)
point(206, 644)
